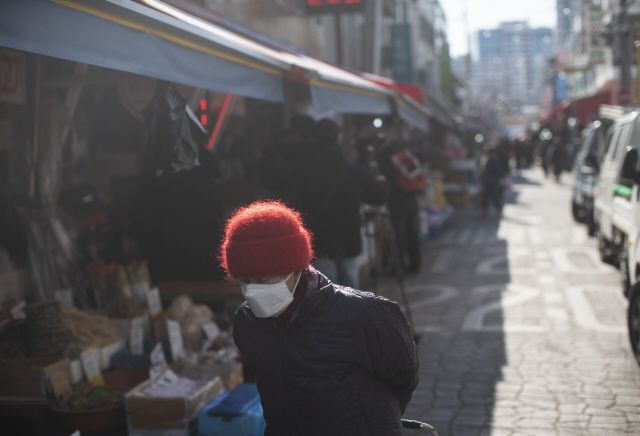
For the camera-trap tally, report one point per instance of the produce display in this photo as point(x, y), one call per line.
point(126, 307)
point(87, 397)
point(89, 330)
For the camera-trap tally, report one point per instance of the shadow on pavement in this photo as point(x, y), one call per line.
point(456, 306)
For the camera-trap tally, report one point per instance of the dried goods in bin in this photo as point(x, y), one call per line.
point(126, 307)
point(47, 335)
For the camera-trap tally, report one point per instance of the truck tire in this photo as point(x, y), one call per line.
point(607, 253)
point(591, 223)
point(633, 322)
point(577, 212)
point(625, 278)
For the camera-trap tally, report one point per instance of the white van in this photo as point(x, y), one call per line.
point(613, 210)
point(630, 255)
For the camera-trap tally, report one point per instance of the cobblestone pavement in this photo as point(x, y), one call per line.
point(522, 328)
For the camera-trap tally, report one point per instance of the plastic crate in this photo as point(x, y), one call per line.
point(250, 423)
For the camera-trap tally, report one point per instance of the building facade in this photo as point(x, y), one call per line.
point(508, 71)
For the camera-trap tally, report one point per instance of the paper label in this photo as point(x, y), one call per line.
point(158, 362)
point(175, 339)
point(169, 377)
point(65, 298)
point(91, 366)
point(211, 330)
point(136, 340)
point(139, 289)
point(60, 384)
point(153, 301)
point(17, 311)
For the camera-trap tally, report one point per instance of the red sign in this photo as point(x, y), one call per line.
point(624, 97)
point(334, 6)
point(13, 87)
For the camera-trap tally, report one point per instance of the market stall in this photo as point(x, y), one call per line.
point(127, 136)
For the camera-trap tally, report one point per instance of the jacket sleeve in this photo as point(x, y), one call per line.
point(386, 348)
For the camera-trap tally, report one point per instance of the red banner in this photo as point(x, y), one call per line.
point(13, 87)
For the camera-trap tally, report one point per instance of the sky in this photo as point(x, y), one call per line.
point(488, 14)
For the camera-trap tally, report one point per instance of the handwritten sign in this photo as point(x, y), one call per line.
point(211, 330)
point(65, 298)
point(175, 339)
point(91, 366)
point(158, 362)
point(153, 301)
point(136, 340)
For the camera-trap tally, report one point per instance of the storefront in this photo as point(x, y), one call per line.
point(127, 135)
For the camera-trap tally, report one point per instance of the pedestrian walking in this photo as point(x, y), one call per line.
point(559, 158)
point(493, 175)
point(329, 360)
point(405, 173)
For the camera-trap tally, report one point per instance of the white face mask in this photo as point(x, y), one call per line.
point(267, 300)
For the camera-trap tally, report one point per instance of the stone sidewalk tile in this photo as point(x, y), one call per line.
point(542, 424)
point(570, 432)
point(624, 400)
point(571, 406)
point(599, 402)
point(557, 382)
point(602, 412)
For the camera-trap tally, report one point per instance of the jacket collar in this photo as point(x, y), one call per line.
point(310, 306)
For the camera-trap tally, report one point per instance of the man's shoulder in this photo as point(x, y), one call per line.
point(358, 297)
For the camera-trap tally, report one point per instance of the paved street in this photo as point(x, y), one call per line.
point(523, 329)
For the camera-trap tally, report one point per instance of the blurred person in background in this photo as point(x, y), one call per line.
point(558, 157)
point(328, 190)
point(329, 360)
point(397, 164)
point(492, 174)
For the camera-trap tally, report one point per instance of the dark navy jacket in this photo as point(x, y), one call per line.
point(346, 365)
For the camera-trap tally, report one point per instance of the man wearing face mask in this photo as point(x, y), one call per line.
point(329, 360)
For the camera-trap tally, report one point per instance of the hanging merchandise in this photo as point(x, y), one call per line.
point(51, 239)
point(53, 256)
point(176, 136)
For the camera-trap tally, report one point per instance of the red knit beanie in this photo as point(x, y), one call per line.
point(265, 239)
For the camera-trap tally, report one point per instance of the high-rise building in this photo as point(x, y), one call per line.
point(509, 67)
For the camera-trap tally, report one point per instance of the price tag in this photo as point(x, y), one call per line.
point(153, 301)
point(136, 340)
point(123, 280)
point(140, 289)
point(158, 362)
point(175, 339)
point(91, 366)
point(60, 384)
point(17, 311)
point(65, 298)
point(157, 356)
point(211, 330)
point(169, 377)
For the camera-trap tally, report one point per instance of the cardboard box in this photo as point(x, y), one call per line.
point(33, 377)
point(146, 413)
point(231, 374)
